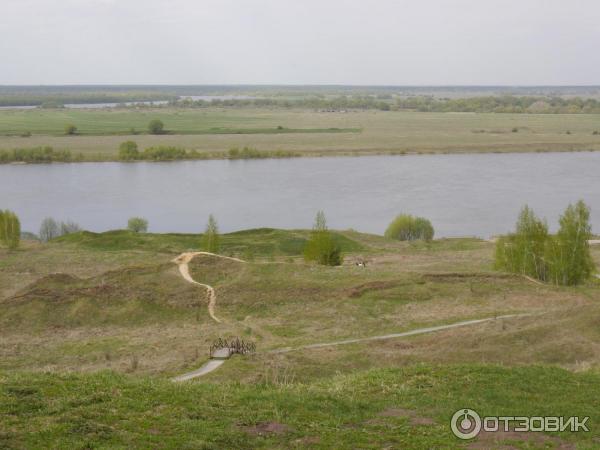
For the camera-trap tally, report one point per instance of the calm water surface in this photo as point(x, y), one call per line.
point(463, 195)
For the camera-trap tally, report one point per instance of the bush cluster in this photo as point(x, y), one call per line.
point(321, 246)
point(252, 153)
point(35, 155)
point(408, 228)
point(137, 225)
point(10, 229)
point(129, 151)
point(562, 259)
point(210, 238)
point(50, 229)
point(156, 126)
point(70, 129)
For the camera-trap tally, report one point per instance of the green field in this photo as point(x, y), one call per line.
point(305, 131)
point(406, 408)
point(94, 325)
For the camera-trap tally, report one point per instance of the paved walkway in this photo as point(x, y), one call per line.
point(216, 363)
point(398, 335)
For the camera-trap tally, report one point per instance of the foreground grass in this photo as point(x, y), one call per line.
point(214, 131)
point(399, 408)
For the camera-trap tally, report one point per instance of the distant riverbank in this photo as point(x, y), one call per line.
point(210, 133)
point(47, 155)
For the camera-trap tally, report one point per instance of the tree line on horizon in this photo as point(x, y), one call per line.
point(419, 103)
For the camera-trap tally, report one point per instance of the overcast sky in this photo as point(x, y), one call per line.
point(400, 42)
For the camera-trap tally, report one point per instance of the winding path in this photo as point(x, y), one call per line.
point(216, 363)
point(183, 261)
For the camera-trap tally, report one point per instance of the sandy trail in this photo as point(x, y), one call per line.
point(183, 262)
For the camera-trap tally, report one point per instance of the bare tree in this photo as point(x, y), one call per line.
point(49, 229)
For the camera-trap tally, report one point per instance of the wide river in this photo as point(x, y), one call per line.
point(463, 195)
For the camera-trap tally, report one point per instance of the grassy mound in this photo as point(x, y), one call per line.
point(130, 296)
point(256, 242)
point(405, 408)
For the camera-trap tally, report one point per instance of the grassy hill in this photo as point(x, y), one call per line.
point(259, 242)
point(94, 324)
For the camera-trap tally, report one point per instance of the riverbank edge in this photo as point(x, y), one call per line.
point(220, 156)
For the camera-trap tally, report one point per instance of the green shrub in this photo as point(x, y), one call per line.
point(321, 246)
point(408, 228)
point(137, 225)
point(34, 155)
point(10, 229)
point(211, 238)
point(164, 153)
point(128, 151)
point(568, 253)
point(70, 129)
point(156, 126)
point(524, 251)
point(563, 259)
point(252, 153)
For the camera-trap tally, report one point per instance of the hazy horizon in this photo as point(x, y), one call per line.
point(134, 84)
point(267, 42)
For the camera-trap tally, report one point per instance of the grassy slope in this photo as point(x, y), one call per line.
point(401, 408)
point(259, 242)
point(381, 131)
point(127, 307)
point(124, 307)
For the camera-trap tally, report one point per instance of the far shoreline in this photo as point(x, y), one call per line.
point(303, 154)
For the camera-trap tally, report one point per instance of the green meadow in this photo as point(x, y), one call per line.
point(214, 130)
